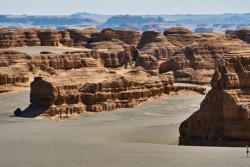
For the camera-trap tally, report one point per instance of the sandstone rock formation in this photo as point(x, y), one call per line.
point(223, 117)
point(243, 34)
point(147, 62)
point(30, 37)
point(92, 89)
point(81, 37)
point(44, 37)
point(192, 57)
point(114, 53)
point(11, 38)
point(108, 34)
point(13, 70)
point(196, 62)
point(69, 37)
point(51, 37)
point(73, 83)
point(156, 44)
point(180, 36)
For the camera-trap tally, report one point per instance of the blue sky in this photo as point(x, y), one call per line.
point(61, 7)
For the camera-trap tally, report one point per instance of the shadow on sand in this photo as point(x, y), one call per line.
point(33, 110)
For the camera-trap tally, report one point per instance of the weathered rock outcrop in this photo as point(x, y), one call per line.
point(30, 37)
point(13, 75)
point(34, 37)
point(156, 44)
point(18, 38)
point(109, 54)
point(67, 60)
point(147, 62)
point(82, 37)
point(49, 37)
point(115, 53)
point(180, 36)
point(8, 57)
point(243, 34)
point(196, 62)
point(94, 90)
point(108, 34)
point(13, 70)
point(223, 117)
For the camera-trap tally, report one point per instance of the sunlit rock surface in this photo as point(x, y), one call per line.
point(223, 117)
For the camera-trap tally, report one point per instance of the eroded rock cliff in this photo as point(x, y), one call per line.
point(18, 38)
point(92, 89)
point(13, 70)
point(223, 117)
point(108, 34)
point(196, 62)
point(156, 44)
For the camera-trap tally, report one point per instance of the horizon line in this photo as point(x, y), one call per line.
point(228, 13)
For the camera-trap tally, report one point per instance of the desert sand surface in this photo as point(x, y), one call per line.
point(144, 136)
point(34, 50)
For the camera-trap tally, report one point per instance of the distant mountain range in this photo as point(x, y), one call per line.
point(198, 23)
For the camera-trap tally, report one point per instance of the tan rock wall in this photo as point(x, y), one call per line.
point(223, 118)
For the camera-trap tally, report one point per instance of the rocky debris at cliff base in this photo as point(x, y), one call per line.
point(187, 90)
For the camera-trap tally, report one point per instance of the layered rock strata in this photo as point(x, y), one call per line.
point(108, 34)
point(156, 44)
point(196, 62)
point(223, 117)
point(10, 38)
point(94, 90)
point(148, 62)
point(115, 53)
point(180, 36)
point(114, 56)
point(81, 37)
point(34, 37)
point(13, 70)
point(51, 37)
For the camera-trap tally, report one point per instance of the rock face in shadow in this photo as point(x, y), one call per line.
point(243, 34)
point(94, 90)
point(223, 117)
